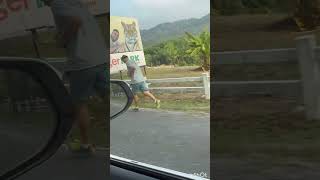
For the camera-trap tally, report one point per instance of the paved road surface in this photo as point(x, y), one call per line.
point(174, 140)
point(23, 140)
point(66, 166)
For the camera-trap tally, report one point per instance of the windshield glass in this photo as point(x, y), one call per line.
point(167, 67)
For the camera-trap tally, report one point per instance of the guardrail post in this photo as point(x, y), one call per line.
point(206, 85)
point(309, 70)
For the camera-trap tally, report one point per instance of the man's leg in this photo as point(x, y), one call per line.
point(149, 94)
point(144, 87)
point(156, 101)
point(135, 90)
point(83, 120)
point(81, 85)
point(135, 100)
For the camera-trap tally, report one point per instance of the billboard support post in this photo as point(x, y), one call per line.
point(145, 71)
point(121, 75)
point(35, 41)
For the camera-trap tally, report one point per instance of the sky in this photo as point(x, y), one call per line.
point(153, 12)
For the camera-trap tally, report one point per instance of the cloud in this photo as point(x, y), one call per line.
point(161, 3)
point(154, 12)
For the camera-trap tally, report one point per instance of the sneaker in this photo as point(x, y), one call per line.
point(136, 108)
point(157, 102)
point(81, 149)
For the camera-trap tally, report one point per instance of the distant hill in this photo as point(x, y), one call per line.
point(167, 31)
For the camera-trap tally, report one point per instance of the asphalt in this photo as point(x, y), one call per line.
point(174, 140)
point(66, 166)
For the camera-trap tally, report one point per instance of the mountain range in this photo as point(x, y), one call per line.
point(172, 30)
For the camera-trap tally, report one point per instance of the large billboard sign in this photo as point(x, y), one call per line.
point(16, 16)
point(125, 39)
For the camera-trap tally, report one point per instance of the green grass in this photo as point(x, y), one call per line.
point(193, 102)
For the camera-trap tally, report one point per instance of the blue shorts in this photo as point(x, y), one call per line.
point(140, 87)
point(88, 82)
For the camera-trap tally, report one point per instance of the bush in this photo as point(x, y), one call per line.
point(171, 52)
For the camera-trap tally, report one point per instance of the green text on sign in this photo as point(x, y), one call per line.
point(134, 57)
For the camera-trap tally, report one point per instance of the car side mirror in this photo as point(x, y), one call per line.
point(35, 114)
point(121, 98)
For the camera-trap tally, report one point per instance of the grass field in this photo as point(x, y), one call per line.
point(193, 102)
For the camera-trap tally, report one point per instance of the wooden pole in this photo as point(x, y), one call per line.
point(121, 75)
point(35, 42)
point(145, 71)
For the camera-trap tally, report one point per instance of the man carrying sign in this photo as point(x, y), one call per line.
point(86, 52)
point(138, 82)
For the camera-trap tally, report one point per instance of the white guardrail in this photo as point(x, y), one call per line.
point(205, 79)
point(59, 63)
point(306, 54)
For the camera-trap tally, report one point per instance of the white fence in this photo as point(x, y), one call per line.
point(204, 79)
point(306, 54)
point(259, 56)
point(59, 64)
point(256, 56)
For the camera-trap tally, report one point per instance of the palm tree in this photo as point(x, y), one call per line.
point(173, 52)
point(199, 46)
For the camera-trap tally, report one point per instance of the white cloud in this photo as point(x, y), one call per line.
point(153, 12)
point(161, 3)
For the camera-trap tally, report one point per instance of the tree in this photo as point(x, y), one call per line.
point(200, 46)
point(173, 52)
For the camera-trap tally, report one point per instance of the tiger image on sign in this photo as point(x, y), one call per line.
point(131, 37)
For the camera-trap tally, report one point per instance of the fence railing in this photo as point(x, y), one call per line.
point(59, 64)
point(204, 79)
point(306, 54)
point(259, 56)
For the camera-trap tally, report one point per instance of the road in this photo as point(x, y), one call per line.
point(66, 166)
point(174, 140)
